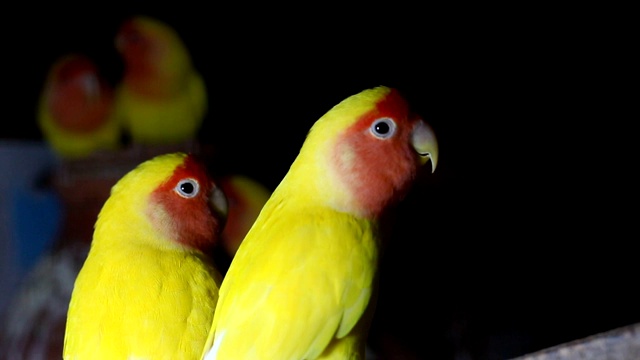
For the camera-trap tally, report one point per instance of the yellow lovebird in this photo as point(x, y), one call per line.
point(302, 283)
point(148, 288)
point(75, 109)
point(161, 98)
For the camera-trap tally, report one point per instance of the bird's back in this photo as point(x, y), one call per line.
point(165, 303)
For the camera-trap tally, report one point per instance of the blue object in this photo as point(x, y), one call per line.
point(30, 213)
point(37, 216)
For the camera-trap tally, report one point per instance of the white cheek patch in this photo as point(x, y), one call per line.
point(342, 178)
point(346, 157)
point(161, 221)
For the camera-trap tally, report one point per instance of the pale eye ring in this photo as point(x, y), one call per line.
point(187, 188)
point(383, 128)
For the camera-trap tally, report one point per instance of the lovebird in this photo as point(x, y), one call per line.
point(246, 197)
point(148, 287)
point(303, 282)
point(161, 98)
point(75, 109)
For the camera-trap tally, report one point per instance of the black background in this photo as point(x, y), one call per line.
point(523, 238)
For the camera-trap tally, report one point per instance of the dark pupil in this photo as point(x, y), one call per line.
point(186, 188)
point(382, 127)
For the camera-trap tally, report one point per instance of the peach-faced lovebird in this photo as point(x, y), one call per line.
point(148, 287)
point(303, 281)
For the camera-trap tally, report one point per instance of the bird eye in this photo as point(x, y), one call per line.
point(383, 128)
point(187, 188)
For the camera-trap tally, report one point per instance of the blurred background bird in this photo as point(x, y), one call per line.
point(148, 287)
point(303, 282)
point(161, 98)
point(246, 197)
point(75, 111)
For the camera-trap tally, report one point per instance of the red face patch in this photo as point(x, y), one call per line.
point(190, 218)
point(379, 168)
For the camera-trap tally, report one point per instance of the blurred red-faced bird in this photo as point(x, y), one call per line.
point(75, 109)
point(303, 281)
point(246, 197)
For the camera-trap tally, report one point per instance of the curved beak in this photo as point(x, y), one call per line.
point(423, 140)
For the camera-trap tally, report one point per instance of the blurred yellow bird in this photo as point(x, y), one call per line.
point(303, 281)
point(148, 288)
point(162, 98)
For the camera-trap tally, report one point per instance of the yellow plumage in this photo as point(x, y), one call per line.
point(162, 98)
point(302, 283)
point(147, 290)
